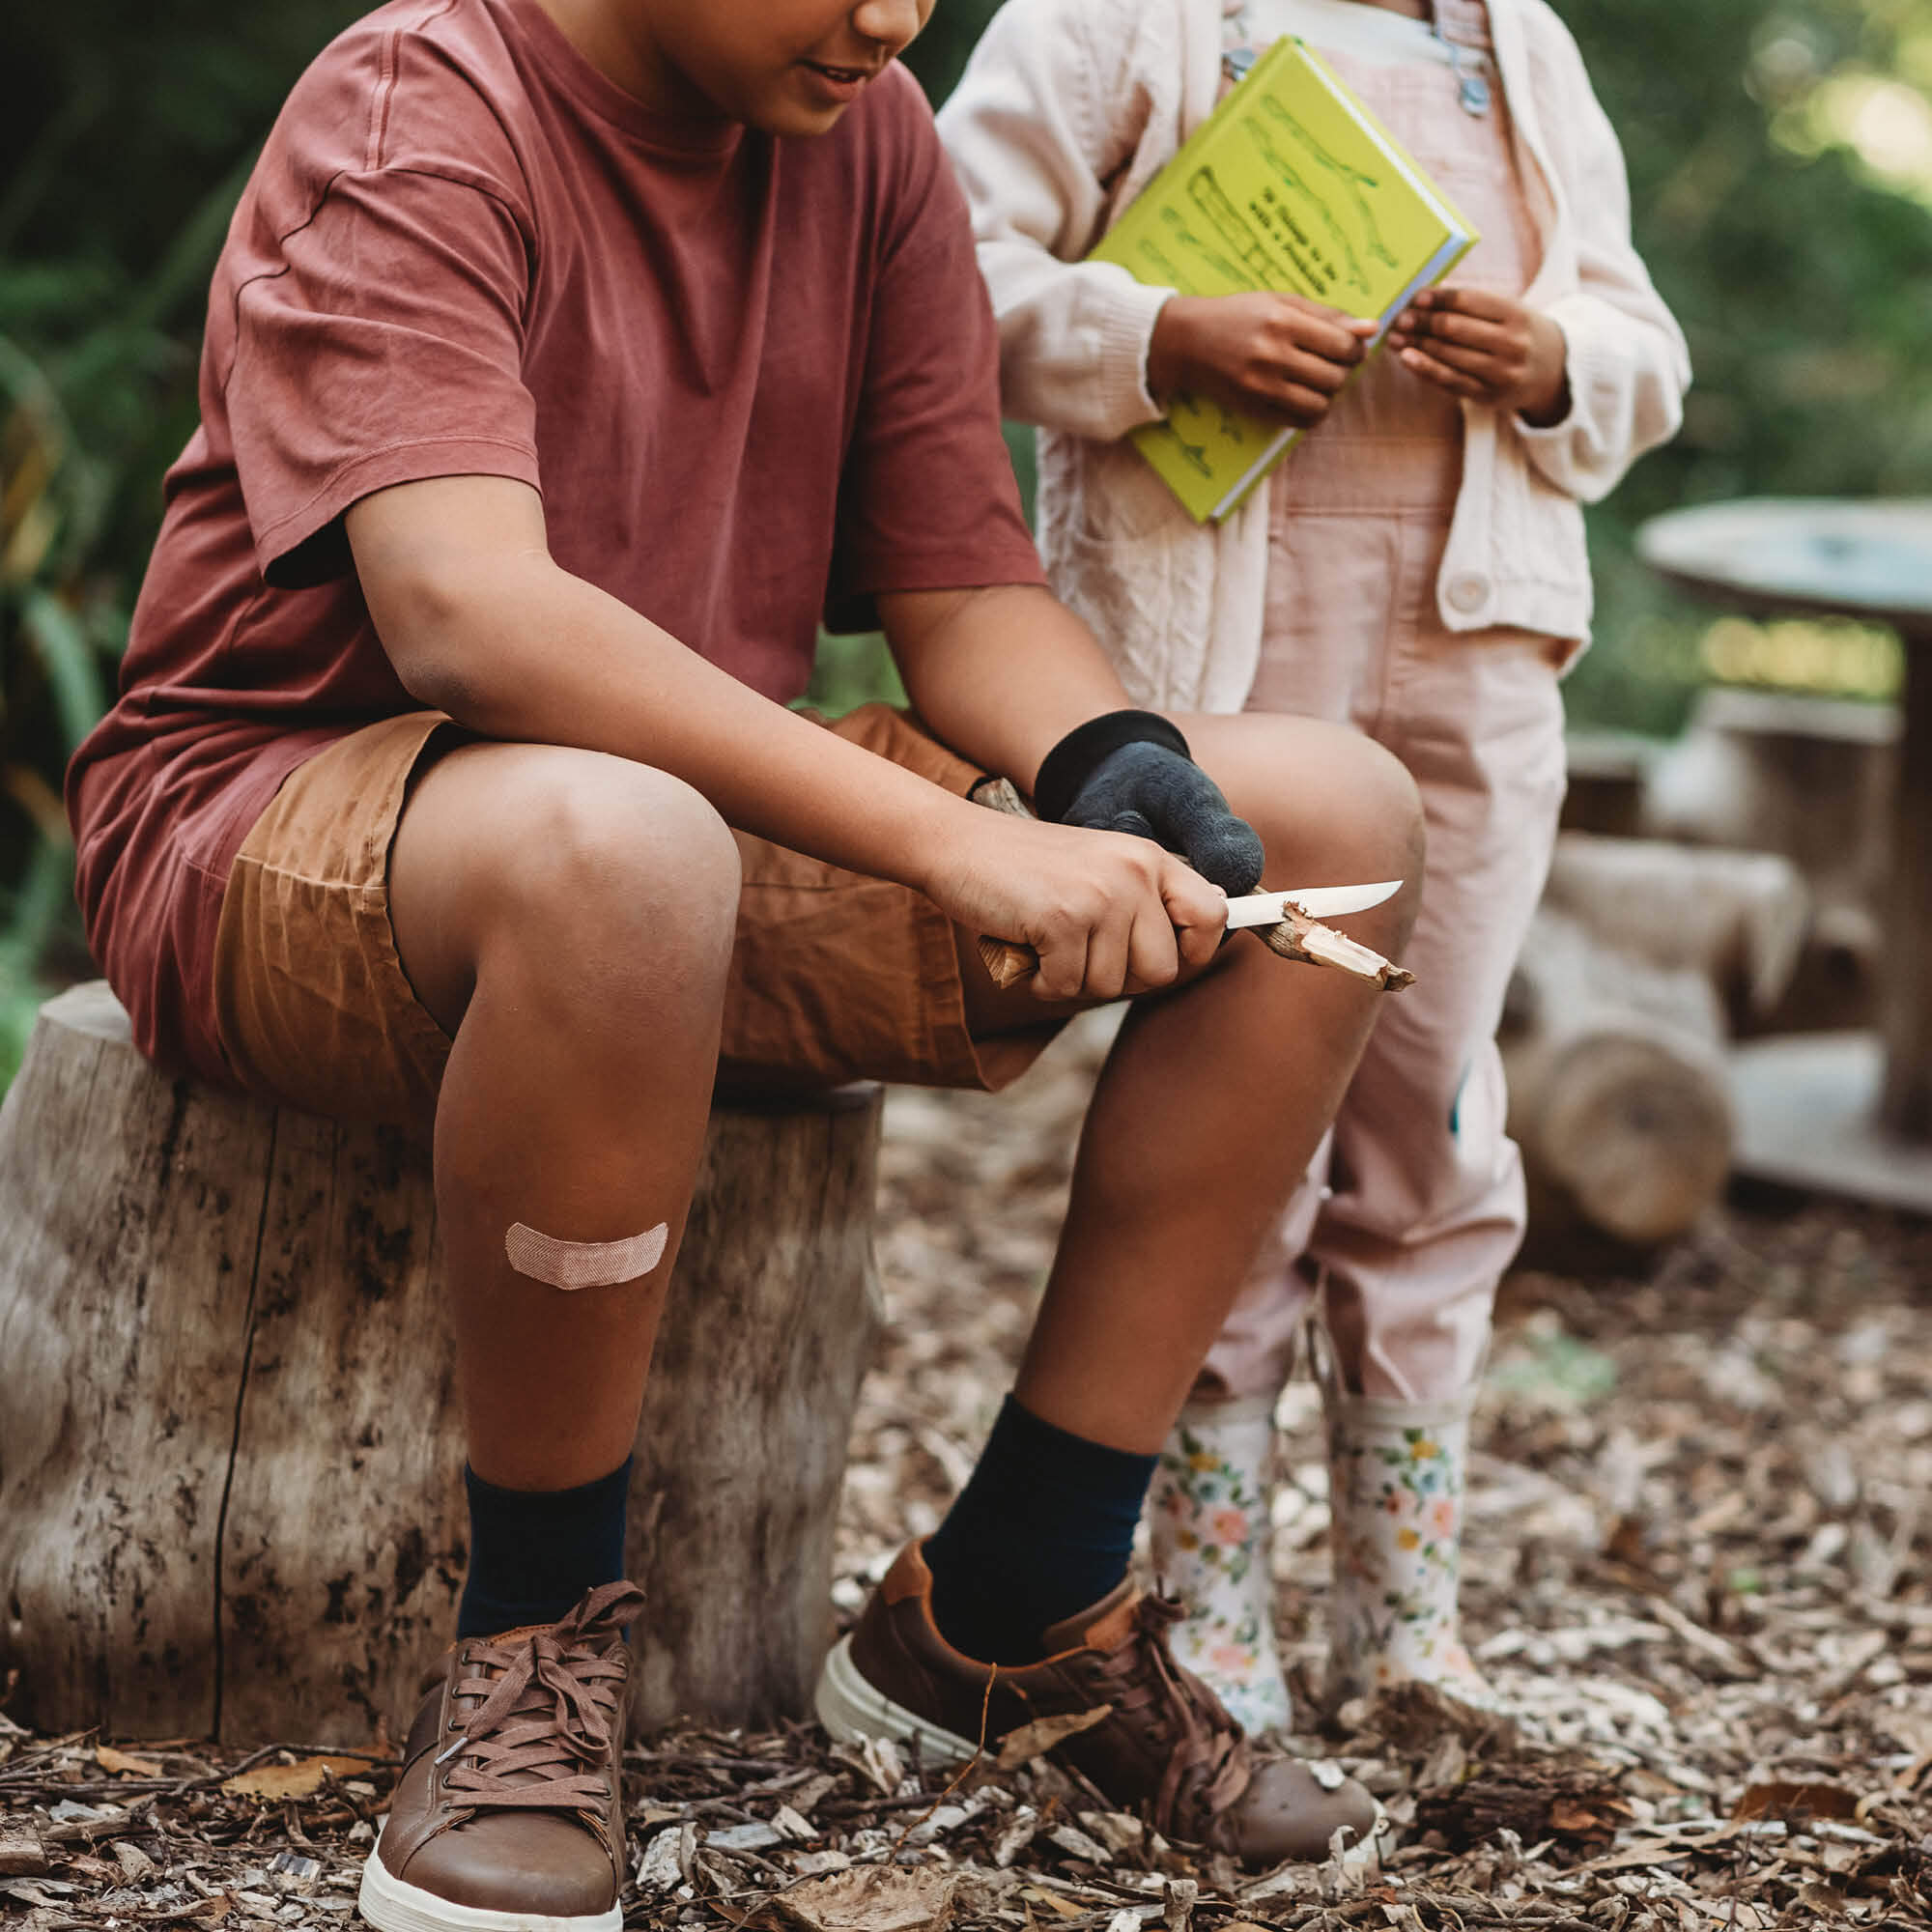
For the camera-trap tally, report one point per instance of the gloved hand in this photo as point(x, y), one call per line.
point(1129, 771)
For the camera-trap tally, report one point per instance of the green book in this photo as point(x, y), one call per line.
point(1292, 185)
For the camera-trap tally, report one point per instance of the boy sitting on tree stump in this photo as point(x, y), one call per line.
point(566, 360)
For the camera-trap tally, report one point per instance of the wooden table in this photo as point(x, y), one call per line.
point(1848, 1113)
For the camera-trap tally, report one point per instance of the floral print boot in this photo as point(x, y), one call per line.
point(1209, 1526)
point(1395, 1493)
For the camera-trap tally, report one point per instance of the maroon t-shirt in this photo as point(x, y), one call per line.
point(752, 378)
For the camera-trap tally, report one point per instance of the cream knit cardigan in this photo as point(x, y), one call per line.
point(1065, 112)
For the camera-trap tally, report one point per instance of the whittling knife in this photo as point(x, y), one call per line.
point(1313, 901)
point(1289, 927)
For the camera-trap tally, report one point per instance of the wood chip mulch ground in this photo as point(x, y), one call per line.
point(1700, 1570)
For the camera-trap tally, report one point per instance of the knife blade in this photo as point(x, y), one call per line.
point(1313, 901)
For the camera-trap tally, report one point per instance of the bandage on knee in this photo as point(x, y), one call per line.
point(571, 1265)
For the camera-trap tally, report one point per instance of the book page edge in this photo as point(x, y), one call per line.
point(1278, 447)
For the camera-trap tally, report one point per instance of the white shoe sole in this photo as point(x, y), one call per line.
point(851, 1708)
point(391, 1904)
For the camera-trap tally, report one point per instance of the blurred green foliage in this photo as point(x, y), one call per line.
point(1780, 201)
point(1802, 275)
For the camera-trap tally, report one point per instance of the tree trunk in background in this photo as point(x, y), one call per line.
point(230, 1455)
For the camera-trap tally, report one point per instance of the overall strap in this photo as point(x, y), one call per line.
point(1464, 23)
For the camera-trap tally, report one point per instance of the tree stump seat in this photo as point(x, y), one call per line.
point(231, 1498)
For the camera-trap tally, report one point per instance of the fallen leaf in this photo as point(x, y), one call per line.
point(1114, 1830)
point(46, 1892)
point(134, 1862)
point(666, 1858)
point(1778, 1798)
point(756, 1835)
point(871, 1898)
point(118, 1763)
point(1821, 1898)
point(301, 1780)
point(1033, 1740)
point(1578, 1819)
point(878, 1758)
point(1076, 1844)
point(1053, 1902)
point(292, 1868)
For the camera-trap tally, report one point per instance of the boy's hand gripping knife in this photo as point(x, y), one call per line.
point(1287, 922)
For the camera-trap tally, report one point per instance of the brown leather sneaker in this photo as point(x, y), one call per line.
point(1165, 1747)
point(508, 1816)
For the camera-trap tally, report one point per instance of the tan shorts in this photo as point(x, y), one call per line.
point(835, 977)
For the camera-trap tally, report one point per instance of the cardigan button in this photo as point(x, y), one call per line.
point(1469, 594)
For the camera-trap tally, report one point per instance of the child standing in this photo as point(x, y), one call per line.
point(1416, 569)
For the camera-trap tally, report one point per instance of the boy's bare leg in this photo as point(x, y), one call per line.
point(568, 917)
point(1209, 1108)
point(1215, 1095)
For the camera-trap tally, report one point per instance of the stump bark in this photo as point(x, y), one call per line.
point(230, 1453)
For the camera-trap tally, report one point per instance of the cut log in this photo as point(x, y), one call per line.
point(1836, 984)
point(1617, 1090)
point(1741, 918)
point(230, 1454)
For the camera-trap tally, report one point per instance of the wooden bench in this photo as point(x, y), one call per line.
point(231, 1498)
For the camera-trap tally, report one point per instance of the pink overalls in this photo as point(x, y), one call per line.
point(1423, 1204)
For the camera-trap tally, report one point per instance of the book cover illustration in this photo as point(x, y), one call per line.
point(1290, 185)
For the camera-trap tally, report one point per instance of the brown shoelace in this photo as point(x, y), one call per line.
point(1207, 1764)
point(540, 1741)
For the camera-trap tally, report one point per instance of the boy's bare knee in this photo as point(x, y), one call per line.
point(612, 856)
point(1331, 804)
point(1390, 802)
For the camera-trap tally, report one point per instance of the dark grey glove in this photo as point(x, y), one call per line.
point(1129, 771)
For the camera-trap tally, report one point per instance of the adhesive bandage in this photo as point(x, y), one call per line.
point(569, 1265)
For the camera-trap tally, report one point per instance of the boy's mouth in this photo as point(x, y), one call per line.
point(842, 76)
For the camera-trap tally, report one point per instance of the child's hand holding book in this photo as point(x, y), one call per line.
point(1275, 354)
point(1488, 348)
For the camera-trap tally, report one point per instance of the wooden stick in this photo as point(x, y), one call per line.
point(1299, 937)
point(1006, 962)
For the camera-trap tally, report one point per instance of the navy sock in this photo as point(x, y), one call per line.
point(1042, 1530)
point(534, 1552)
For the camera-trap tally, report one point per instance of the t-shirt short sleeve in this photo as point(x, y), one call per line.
point(928, 499)
point(386, 346)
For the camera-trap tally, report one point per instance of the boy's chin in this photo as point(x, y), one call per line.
point(796, 101)
point(790, 121)
point(804, 101)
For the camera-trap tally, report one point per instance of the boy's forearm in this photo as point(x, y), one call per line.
point(1002, 675)
point(525, 651)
